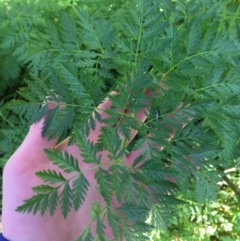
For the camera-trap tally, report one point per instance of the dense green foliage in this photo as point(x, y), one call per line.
point(77, 52)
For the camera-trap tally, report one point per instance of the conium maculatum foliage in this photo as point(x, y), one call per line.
point(180, 51)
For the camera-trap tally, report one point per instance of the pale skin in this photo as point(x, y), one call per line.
point(19, 178)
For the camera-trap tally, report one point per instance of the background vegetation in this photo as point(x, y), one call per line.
point(22, 33)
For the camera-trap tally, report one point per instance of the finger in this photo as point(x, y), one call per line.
point(30, 154)
point(35, 140)
point(94, 134)
point(133, 155)
point(34, 136)
point(101, 109)
point(141, 116)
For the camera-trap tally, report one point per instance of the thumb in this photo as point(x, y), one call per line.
point(30, 153)
point(34, 139)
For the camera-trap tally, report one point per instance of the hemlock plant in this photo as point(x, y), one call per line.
point(184, 52)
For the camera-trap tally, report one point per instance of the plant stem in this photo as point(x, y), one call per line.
point(232, 186)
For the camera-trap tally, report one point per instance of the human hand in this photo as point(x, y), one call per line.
point(19, 178)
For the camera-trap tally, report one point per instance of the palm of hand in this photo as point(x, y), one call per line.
point(19, 178)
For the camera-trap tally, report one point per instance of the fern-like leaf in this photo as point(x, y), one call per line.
point(79, 191)
point(104, 180)
point(51, 176)
point(66, 200)
point(63, 160)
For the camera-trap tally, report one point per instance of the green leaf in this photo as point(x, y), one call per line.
point(66, 200)
point(53, 201)
point(141, 227)
point(119, 176)
point(160, 218)
point(79, 191)
point(95, 210)
point(51, 176)
point(194, 38)
point(47, 197)
point(109, 140)
point(201, 189)
point(43, 189)
point(32, 204)
point(134, 212)
point(104, 180)
point(44, 205)
point(100, 230)
point(48, 121)
point(88, 150)
point(114, 222)
point(63, 160)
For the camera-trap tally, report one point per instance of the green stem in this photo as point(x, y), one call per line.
point(208, 87)
point(139, 39)
point(232, 186)
point(5, 119)
point(234, 18)
point(187, 58)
